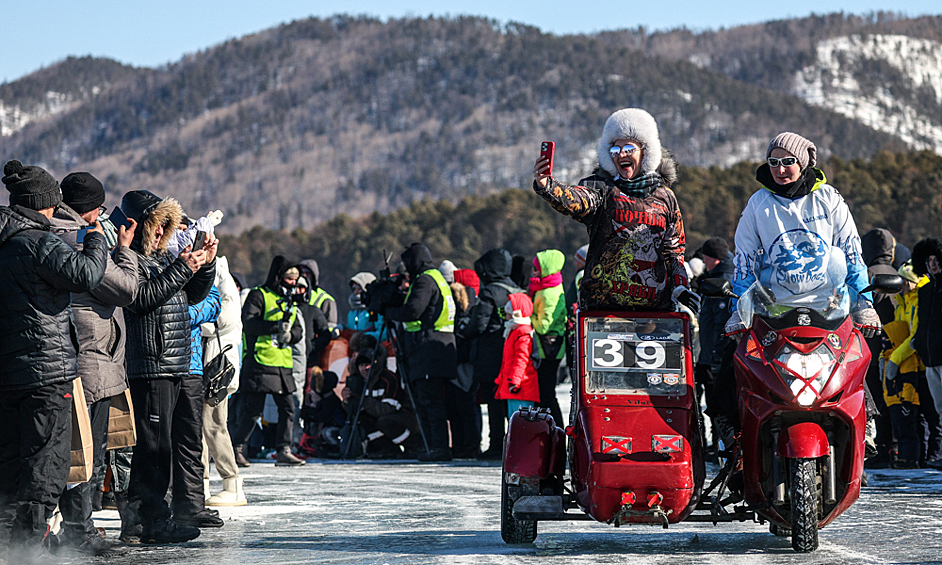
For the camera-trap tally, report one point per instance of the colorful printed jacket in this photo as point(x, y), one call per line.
point(636, 243)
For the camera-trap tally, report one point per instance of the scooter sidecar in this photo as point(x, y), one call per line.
point(635, 449)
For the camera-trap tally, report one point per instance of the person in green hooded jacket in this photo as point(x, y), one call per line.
point(549, 323)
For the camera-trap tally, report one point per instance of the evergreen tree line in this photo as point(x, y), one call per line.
point(897, 191)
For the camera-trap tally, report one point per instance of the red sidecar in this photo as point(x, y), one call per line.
point(635, 451)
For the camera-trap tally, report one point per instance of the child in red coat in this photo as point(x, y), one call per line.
point(517, 382)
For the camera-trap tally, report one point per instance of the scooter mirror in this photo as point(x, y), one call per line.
point(717, 288)
point(885, 284)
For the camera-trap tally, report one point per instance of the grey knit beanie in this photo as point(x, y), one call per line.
point(31, 187)
point(798, 146)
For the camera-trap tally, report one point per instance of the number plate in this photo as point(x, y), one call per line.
point(626, 352)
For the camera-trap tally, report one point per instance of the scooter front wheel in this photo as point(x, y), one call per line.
point(804, 504)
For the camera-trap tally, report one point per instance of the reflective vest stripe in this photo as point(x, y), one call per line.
point(268, 352)
point(446, 319)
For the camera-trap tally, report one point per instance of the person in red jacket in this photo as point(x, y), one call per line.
point(517, 382)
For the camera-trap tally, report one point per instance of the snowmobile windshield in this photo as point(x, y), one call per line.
point(826, 305)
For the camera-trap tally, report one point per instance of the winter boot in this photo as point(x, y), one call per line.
point(286, 458)
point(239, 451)
point(168, 531)
point(130, 522)
point(231, 494)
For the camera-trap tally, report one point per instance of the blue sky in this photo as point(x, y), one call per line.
point(153, 32)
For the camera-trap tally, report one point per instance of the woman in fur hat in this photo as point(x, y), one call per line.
point(636, 233)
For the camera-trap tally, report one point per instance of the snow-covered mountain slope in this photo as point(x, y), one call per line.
point(892, 83)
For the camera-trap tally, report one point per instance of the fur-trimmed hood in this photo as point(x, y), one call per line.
point(637, 124)
point(922, 250)
point(150, 211)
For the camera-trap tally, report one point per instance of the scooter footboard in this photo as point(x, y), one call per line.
point(534, 446)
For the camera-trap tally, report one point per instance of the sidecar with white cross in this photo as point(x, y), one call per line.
point(633, 443)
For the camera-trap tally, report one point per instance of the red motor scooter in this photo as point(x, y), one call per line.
point(634, 442)
point(800, 370)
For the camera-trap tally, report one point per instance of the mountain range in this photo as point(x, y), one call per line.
point(289, 127)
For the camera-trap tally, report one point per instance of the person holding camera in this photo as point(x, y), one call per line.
point(271, 326)
point(37, 355)
point(158, 361)
point(428, 312)
point(99, 326)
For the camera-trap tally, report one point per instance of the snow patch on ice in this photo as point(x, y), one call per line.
point(832, 81)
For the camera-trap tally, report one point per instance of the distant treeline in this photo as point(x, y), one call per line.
point(898, 191)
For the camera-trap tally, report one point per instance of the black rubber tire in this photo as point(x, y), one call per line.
point(779, 531)
point(804, 504)
point(511, 529)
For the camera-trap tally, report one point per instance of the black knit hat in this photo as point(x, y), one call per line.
point(31, 187)
point(715, 247)
point(82, 192)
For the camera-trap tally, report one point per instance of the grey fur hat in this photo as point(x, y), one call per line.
point(636, 124)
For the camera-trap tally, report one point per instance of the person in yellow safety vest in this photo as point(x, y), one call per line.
point(428, 314)
point(319, 296)
point(271, 326)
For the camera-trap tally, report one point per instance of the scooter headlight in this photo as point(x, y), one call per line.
point(806, 374)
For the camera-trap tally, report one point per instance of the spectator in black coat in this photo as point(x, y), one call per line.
point(428, 313)
point(717, 263)
point(158, 359)
point(38, 271)
point(271, 325)
point(878, 247)
point(485, 330)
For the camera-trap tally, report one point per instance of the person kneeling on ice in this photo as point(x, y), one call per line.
point(517, 382)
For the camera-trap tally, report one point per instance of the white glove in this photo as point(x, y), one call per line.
point(867, 321)
point(684, 296)
point(734, 325)
point(215, 217)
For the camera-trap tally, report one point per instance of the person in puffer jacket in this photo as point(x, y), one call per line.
point(518, 382)
point(99, 326)
point(158, 359)
point(37, 354)
point(636, 232)
point(549, 323)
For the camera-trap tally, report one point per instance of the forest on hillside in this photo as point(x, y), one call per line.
point(897, 191)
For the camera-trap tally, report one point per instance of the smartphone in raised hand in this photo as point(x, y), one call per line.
point(118, 218)
point(199, 241)
point(547, 148)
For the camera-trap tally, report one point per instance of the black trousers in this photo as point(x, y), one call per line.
point(546, 373)
point(186, 436)
point(154, 403)
point(884, 421)
point(463, 417)
point(76, 500)
point(496, 418)
point(34, 459)
point(430, 406)
point(930, 423)
point(252, 406)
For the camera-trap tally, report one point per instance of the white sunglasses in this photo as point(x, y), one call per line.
point(784, 161)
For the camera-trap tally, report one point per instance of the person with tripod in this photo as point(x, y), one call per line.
point(271, 325)
point(428, 313)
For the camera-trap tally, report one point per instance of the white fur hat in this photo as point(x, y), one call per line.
point(631, 123)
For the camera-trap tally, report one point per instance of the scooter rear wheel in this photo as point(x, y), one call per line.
point(511, 529)
point(804, 504)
